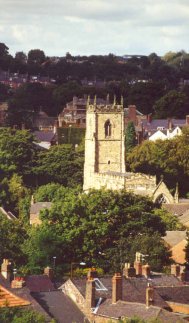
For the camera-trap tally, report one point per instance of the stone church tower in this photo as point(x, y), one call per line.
point(104, 141)
point(105, 155)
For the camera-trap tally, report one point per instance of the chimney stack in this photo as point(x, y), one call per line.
point(138, 268)
point(92, 273)
point(129, 271)
point(49, 272)
point(132, 113)
point(90, 293)
point(175, 270)
point(138, 263)
point(149, 295)
point(116, 288)
point(146, 270)
point(5, 269)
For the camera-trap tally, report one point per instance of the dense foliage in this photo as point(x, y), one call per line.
point(82, 227)
point(18, 315)
point(169, 158)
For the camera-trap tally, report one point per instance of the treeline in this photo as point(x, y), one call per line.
point(169, 68)
point(152, 83)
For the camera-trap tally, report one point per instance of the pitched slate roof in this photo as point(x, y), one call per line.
point(128, 310)
point(177, 294)
point(38, 206)
point(47, 136)
point(61, 307)
point(162, 123)
point(134, 290)
point(39, 283)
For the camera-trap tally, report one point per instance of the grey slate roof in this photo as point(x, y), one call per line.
point(177, 294)
point(47, 136)
point(39, 283)
point(134, 290)
point(61, 307)
point(38, 206)
point(162, 123)
point(124, 309)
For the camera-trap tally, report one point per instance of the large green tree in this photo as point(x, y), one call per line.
point(82, 227)
point(60, 164)
point(169, 158)
point(172, 104)
point(12, 234)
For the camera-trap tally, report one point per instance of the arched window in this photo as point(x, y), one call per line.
point(108, 128)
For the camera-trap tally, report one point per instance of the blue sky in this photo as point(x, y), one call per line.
point(85, 27)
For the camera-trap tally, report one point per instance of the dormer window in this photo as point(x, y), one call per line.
point(108, 128)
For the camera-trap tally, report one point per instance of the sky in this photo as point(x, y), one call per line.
point(86, 27)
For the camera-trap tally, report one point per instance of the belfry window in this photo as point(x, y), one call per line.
point(108, 128)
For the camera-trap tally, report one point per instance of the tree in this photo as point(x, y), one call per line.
point(20, 315)
point(3, 92)
point(36, 56)
point(17, 155)
point(27, 101)
point(144, 95)
point(60, 164)
point(169, 158)
point(12, 235)
point(4, 50)
point(21, 57)
point(130, 136)
point(78, 226)
point(173, 104)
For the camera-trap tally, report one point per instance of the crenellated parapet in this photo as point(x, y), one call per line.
point(110, 108)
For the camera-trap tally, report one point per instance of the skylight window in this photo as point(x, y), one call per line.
point(99, 285)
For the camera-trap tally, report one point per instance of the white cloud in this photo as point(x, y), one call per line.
point(95, 26)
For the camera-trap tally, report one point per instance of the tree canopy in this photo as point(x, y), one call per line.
point(80, 227)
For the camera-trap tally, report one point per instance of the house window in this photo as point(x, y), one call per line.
point(108, 128)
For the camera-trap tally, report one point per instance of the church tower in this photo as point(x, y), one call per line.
point(104, 141)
